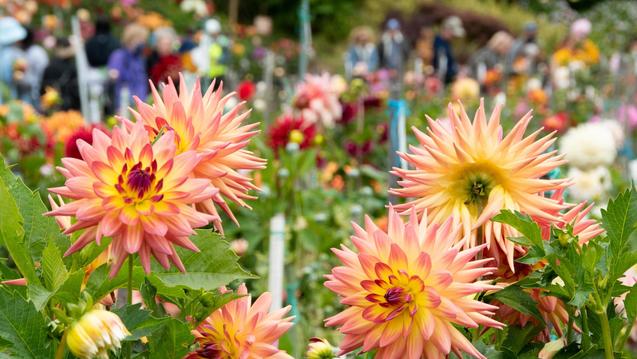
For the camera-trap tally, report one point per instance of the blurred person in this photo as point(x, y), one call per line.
point(212, 55)
point(101, 45)
point(393, 48)
point(36, 61)
point(362, 55)
point(577, 47)
point(487, 64)
point(523, 56)
point(61, 75)
point(444, 60)
point(164, 62)
point(10, 54)
point(127, 67)
point(424, 48)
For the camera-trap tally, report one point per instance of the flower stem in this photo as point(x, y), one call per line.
point(608, 342)
point(59, 353)
point(129, 292)
point(129, 301)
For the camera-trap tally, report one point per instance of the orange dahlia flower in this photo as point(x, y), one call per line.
point(200, 124)
point(238, 330)
point(471, 172)
point(407, 288)
point(137, 192)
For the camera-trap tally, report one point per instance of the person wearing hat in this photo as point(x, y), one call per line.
point(393, 49)
point(444, 61)
point(491, 58)
point(362, 56)
point(10, 53)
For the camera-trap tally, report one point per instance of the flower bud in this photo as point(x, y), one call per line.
point(95, 334)
point(320, 348)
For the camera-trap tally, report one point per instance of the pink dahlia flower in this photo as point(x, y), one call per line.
point(220, 137)
point(137, 192)
point(238, 330)
point(406, 290)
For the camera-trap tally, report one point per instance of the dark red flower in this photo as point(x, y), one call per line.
point(246, 90)
point(350, 110)
point(280, 131)
point(372, 102)
point(83, 133)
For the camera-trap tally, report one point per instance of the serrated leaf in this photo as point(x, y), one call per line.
point(518, 299)
point(619, 222)
point(215, 265)
point(53, 268)
point(172, 341)
point(525, 225)
point(100, 285)
point(23, 327)
point(38, 295)
point(138, 321)
point(39, 230)
point(12, 234)
point(518, 337)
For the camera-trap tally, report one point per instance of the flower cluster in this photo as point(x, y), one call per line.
point(151, 182)
point(317, 98)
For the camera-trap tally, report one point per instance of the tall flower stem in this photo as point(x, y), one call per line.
point(129, 292)
point(59, 353)
point(129, 300)
point(608, 342)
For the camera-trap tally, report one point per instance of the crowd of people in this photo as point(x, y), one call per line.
point(432, 54)
point(116, 69)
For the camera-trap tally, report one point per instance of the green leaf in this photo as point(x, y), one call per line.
point(23, 327)
point(518, 299)
point(99, 284)
point(38, 295)
point(518, 337)
point(619, 222)
point(172, 341)
point(529, 229)
point(53, 268)
point(39, 230)
point(12, 234)
point(139, 321)
point(215, 265)
point(71, 289)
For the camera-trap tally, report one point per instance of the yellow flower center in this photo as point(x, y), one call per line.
point(393, 294)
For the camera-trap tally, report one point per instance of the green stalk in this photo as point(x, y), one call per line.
point(59, 353)
point(608, 342)
point(129, 301)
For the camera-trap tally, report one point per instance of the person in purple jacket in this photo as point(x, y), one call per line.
point(127, 67)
